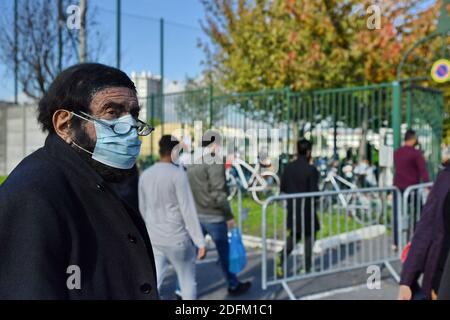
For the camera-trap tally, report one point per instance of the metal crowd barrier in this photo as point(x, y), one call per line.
point(414, 197)
point(328, 235)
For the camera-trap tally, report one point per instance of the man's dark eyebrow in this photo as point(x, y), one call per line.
point(134, 108)
point(114, 105)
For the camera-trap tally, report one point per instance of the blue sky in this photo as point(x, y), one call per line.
point(140, 37)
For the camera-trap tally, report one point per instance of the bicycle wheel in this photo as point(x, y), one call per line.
point(365, 208)
point(261, 192)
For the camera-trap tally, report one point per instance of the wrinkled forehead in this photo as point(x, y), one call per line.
point(119, 96)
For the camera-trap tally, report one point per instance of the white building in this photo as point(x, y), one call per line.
point(174, 87)
point(146, 85)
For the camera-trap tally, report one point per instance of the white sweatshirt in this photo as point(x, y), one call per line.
point(167, 206)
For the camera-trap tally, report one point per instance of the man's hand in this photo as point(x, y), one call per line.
point(231, 224)
point(404, 293)
point(201, 253)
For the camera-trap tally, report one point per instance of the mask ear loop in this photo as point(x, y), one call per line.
point(73, 142)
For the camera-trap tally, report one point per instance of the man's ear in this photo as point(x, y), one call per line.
point(61, 123)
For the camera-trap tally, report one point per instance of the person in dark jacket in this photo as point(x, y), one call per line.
point(444, 287)
point(300, 176)
point(65, 233)
point(431, 242)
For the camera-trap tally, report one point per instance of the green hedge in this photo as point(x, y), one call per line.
point(2, 178)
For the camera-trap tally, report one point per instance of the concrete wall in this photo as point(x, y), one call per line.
point(20, 134)
point(3, 111)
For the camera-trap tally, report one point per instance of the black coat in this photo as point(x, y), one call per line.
point(298, 177)
point(443, 270)
point(128, 189)
point(55, 212)
point(430, 240)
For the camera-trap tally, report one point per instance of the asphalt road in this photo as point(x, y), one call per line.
point(349, 285)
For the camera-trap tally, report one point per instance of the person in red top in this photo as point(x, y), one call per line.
point(410, 166)
point(410, 169)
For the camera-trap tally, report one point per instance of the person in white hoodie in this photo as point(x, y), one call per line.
point(167, 206)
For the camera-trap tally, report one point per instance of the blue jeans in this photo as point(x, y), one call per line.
point(219, 234)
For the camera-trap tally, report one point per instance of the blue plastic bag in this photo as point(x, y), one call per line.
point(238, 256)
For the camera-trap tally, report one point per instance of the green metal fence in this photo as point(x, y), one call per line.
point(357, 121)
point(339, 120)
point(424, 114)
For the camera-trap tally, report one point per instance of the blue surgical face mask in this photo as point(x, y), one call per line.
point(115, 150)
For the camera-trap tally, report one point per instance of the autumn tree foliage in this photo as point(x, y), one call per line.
point(304, 44)
point(313, 44)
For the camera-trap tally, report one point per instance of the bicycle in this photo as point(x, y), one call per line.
point(240, 174)
point(363, 207)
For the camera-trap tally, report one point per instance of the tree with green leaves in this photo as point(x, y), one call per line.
point(309, 44)
point(303, 44)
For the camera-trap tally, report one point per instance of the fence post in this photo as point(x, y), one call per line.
point(288, 116)
point(151, 112)
point(240, 211)
point(439, 138)
point(396, 113)
point(210, 101)
point(162, 105)
point(264, 247)
point(401, 241)
point(24, 132)
point(409, 106)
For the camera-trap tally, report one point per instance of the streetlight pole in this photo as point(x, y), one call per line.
point(60, 29)
point(16, 49)
point(118, 34)
point(83, 35)
point(161, 47)
point(161, 65)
